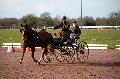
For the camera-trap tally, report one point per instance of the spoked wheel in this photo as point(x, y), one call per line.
point(70, 54)
point(46, 58)
point(59, 56)
point(82, 51)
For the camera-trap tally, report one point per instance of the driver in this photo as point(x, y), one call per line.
point(65, 29)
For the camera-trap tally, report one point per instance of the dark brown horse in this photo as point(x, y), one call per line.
point(34, 39)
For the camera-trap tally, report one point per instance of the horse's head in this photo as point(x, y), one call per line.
point(27, 32)
point(24, 29)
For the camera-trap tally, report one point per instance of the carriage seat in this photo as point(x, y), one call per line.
point(72, 39)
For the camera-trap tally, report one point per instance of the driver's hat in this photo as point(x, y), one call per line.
point(74, 21)
point(64, 18)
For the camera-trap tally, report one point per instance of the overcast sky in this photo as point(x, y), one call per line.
point(70, 8)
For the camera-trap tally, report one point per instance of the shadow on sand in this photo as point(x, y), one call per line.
point(112, 64)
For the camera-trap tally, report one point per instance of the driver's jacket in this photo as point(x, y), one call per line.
point(65, 28)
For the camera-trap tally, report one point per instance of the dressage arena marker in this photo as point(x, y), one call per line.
point(97, 46)
point(11, 46)
point(9, 49)
point(118, 47)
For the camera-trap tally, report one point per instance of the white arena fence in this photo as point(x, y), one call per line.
point(118, 47)
point(94, 27)
point(17, 45)
point(97, 46)
point(90, 46)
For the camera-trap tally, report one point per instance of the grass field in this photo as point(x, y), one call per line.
point(101, 36)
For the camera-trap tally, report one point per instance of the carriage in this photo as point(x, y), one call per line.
point(70, 50)
point(67, 50)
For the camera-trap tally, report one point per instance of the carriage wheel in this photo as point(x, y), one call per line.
point(49, 58)
point(82, 51)
point(60, 55)
point(46, 58)
point(70, 54)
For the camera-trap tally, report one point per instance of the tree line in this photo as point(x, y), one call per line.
point(45, 19)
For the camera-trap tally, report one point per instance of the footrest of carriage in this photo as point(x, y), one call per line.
point(62, 50)
point(74, 44)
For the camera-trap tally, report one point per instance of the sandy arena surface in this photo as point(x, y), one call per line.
point(101, 64)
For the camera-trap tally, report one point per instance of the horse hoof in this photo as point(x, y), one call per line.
point(49, 60)
point(20, 62)
point(38, 63)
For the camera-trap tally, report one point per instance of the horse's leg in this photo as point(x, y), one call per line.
point(24, 49)
point(44, 52)
point(33, 50)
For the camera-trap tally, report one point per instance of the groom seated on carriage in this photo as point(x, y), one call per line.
point(75, 33)
point(75, 30)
